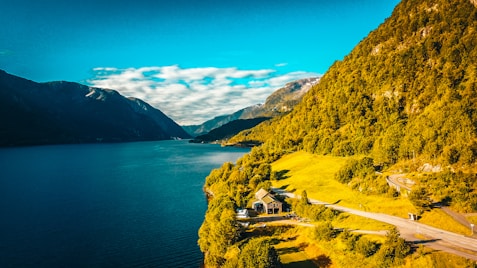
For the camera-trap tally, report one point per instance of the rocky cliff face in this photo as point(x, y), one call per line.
point(65, 112)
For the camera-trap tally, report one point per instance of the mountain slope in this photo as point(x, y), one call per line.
point(228, 130)
point(64, 112)
point(406, 95)
point(204, 128)
point(279, 102)
point(408, 90)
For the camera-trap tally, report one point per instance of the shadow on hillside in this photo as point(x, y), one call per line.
point(320, 261)
point(288, 250)
point(419, 242)
point(323, 261)
point(300, 264)
point(282, 174)
point(284, 187)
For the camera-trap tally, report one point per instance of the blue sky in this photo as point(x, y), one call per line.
point(191, 59)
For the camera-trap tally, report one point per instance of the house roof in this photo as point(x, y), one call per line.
point(265, 197)
point(261, 193)
point(269, 199)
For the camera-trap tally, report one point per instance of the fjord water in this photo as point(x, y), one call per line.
point(105, 205)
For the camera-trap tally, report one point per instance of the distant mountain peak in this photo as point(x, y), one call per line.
point(279, 102)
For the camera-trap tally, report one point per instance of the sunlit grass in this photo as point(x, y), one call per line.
point(473, 219)
point(292, 255)
point(439, 219)
point(353, 222)
point(427, 257)
point(291, 251)
point(316, 175)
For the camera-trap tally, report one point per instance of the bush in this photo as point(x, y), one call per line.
point(419, 197)
point(365, 247)
point(324, 231)
point(349, 240)
point(258, 253)
point(393, 250)
point(356, 168)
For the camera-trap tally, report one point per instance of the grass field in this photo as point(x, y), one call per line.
point(292, 255)
point(315, 174)
point(353, 222)
point(439, 219)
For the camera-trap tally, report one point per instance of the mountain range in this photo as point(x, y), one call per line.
point(63, 112)
point(278, 103)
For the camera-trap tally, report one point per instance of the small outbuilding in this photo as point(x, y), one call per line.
point(267, 203)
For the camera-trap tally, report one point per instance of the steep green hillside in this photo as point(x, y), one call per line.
point(405, 96)
point(407, 90)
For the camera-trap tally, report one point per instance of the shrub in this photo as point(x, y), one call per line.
point(324, 231)
point(258, 253)
point(365, 247)
point(393, 250)
point(349, 240)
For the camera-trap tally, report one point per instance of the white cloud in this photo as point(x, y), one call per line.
point(106, 69)
point(194, 95)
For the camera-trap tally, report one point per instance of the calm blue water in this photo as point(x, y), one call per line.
point(105, 205)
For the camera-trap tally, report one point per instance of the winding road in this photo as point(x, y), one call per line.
point(437, 239)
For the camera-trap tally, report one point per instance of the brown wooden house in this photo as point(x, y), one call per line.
point(267, 203)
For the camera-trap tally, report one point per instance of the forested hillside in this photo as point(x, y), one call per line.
point(406, 91)
point(405, 96)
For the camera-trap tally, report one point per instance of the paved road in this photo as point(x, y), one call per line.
point(437, 238)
